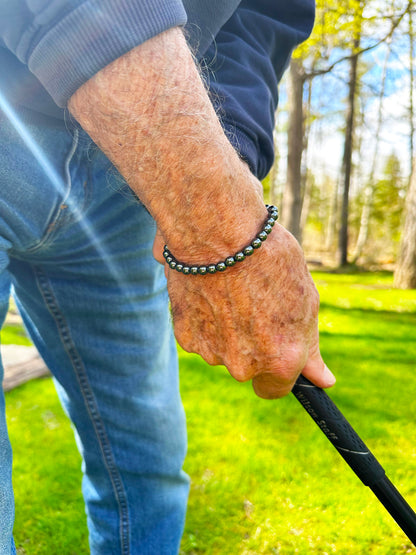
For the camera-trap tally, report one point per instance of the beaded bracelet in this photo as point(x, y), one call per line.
point(206, 269)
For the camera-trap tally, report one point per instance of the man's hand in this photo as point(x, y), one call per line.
point(150, 113)
point(258, 318)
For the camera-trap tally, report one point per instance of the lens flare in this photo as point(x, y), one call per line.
point(57, 182)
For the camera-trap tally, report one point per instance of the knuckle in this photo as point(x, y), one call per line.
point(238, 375)
point(191, 345)
point(211, 358)
point(239, 370)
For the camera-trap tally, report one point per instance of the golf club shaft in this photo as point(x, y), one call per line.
point(397, 506)
point(354, 451)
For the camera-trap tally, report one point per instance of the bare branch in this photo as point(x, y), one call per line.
point(396, 22)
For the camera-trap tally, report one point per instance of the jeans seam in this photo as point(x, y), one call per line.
point(51, 302)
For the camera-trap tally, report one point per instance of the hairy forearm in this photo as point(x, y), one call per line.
point(150, 113)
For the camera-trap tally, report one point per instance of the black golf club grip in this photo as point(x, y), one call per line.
point(338, 430)
point(355, 452)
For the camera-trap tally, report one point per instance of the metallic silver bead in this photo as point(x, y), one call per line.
point(256, 243)
point(230, 261)
point(239, 256)
point(212, 269)
point(248, 251)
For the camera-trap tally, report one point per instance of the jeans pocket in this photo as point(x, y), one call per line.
point(33, 181)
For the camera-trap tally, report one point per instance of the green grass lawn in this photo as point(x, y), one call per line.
point(14, 335)
point(264, 478)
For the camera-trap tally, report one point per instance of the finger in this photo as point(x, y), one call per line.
point(270, 386)
point(315, 369)
point(209, 356)
point(282, 372)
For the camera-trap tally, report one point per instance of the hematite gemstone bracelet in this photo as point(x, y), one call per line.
point(206, 269)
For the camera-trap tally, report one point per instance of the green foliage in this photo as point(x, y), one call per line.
point(266, 187)
point(389, 198)
point(337, 26)
point(264, 478)
point(375, 30)
point(386, 213)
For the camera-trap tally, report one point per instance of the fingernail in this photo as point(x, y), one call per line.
point(329, 377)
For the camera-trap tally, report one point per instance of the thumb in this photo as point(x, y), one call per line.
point(315, 369)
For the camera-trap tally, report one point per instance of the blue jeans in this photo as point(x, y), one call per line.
point(76, 247)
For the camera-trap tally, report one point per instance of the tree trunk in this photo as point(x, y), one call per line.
point(306, 182)
point(405, 273)
point(411, 88)
point(347, 157)
point(369, 190)
point(331, 230)
point(292, 206)
point(364, 221)
point(275, 194)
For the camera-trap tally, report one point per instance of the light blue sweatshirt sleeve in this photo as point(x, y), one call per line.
point(65, 42)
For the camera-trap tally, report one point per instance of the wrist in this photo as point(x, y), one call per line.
point(218, 220)
point(231, 260)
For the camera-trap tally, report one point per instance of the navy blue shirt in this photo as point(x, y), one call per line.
point(246, 61)
point(49, 48)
